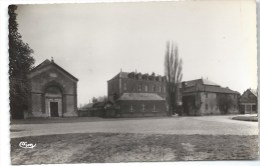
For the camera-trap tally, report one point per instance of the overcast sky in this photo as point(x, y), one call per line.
point(216, 40)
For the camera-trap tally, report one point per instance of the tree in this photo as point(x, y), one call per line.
point(225, 102)
point(20, 63)
point(94, 100)
point(173, 73)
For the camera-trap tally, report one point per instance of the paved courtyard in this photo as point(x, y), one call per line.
point(203, 125)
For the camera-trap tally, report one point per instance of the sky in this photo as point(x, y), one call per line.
point(93, 42)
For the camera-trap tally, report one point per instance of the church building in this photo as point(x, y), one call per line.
point(53, 91)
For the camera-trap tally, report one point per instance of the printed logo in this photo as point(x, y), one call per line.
point(26, 145)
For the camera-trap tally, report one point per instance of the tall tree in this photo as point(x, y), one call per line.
point(173, 73)
point(20, 63)
point(225, 102)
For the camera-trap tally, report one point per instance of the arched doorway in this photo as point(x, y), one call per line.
point(53, 101)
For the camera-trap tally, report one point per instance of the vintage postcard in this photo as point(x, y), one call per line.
point(133, 82)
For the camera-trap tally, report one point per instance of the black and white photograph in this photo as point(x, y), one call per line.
point(126, 82)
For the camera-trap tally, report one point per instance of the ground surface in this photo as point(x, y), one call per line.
point(109, 147)
point(142, 139)
point(204, 125)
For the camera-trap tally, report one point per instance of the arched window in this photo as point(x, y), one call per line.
point(53, 91)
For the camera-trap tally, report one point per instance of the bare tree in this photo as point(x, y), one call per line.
point(173, 73)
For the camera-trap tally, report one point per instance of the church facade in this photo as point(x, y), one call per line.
point(53, 92)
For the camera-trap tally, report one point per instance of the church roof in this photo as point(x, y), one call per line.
point(140, 96)
point(46, 63)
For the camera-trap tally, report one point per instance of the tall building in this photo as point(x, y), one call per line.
point(136, 94)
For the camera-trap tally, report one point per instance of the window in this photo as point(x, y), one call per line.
point(160, 89)
point(206, 94)
point(164, 89)
point(131, 108)
point(154, 108)
point(206, 106)
point(154, 88)
point(146, 88)
point(125, 88)
point(139, 87)
point(143, 107)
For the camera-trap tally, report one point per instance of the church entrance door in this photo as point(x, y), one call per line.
point(54, 109)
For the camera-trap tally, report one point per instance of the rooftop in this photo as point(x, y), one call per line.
point(140, 96)
point(206, 86)
point(199, 81)
point(140, 76)
point(254, 91)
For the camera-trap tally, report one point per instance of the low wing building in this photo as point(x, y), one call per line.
point(248, 102)
point(203, 97)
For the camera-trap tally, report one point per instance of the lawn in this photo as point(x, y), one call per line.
point(114, 147)
point(246, 118)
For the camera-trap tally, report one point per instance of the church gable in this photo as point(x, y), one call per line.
point(52, 69)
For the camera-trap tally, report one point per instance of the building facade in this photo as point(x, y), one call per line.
point(248, 102)
point(53, 91)
point(203, 97)
point(135, 94)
